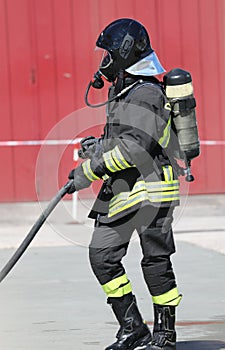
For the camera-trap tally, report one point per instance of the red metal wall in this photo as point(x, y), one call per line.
point(47, 59)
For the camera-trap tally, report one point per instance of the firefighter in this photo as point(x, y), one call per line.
point(140, 189)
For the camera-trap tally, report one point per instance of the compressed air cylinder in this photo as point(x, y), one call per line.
point(179, 91)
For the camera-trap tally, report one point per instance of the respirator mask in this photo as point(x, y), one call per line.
point(106, 69)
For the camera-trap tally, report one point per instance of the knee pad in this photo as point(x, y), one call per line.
point(97, 258)
point(106, 263)
point(159, 275)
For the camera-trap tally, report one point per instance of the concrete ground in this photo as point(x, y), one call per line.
point(52, 301)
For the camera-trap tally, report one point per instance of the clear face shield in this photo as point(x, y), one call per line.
point(105, 64)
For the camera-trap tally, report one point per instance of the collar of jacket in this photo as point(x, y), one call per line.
point(130, 79)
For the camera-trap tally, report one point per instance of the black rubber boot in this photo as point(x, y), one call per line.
point(164, 334)
point(133, 331)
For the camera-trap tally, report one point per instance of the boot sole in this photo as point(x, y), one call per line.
point(153, 347)
point(141, 343)
point(159, 348)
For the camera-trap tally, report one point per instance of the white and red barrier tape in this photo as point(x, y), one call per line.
point(39, 142)
point(212, 143)
point(72, 142)
point(75, 156)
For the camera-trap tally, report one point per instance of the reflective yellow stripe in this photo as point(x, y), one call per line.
point(158, 186)
point(160, 191)
point(121, 158)
point(115, 161)
point(168, 173)
point(123, 196)
point(105, 177)
point(120, 291)
point(171, 185)
point(172, 298)
point(139, 186)
point(117, 287)
point(88, 171)
point(121, 206)
point(164, 140)
point(140, 197)
point(164, 197)
point(115, 283)
point(109, 162)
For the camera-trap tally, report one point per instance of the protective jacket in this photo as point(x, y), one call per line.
point(133, 154)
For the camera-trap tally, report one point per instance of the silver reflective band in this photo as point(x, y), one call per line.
point(148, 66)
point(152, 192)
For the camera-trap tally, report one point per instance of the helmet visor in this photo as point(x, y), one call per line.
point(105, 58)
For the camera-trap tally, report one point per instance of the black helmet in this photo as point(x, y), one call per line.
point(126, 42)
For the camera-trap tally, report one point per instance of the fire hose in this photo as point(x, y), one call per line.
point(34, 230)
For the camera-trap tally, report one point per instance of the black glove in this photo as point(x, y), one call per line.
point(80, 180)
point(88, 146)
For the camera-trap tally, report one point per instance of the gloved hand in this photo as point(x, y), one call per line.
point(80, 180)
point(88, 146)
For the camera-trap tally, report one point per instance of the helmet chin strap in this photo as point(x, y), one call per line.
point(119, 86)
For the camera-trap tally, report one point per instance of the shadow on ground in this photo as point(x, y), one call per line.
point(201, 345)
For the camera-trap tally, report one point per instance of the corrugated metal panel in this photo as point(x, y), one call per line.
point(20, 99)
point(210, 116)
point(7, 188)
point(47, 59)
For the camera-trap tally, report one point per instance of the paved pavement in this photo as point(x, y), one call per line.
point(51, 300)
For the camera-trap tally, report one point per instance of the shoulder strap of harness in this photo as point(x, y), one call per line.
point(156, 84)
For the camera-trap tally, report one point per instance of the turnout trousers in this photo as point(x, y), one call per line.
point(109, 245)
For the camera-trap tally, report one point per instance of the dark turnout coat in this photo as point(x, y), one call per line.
point(134, 154)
